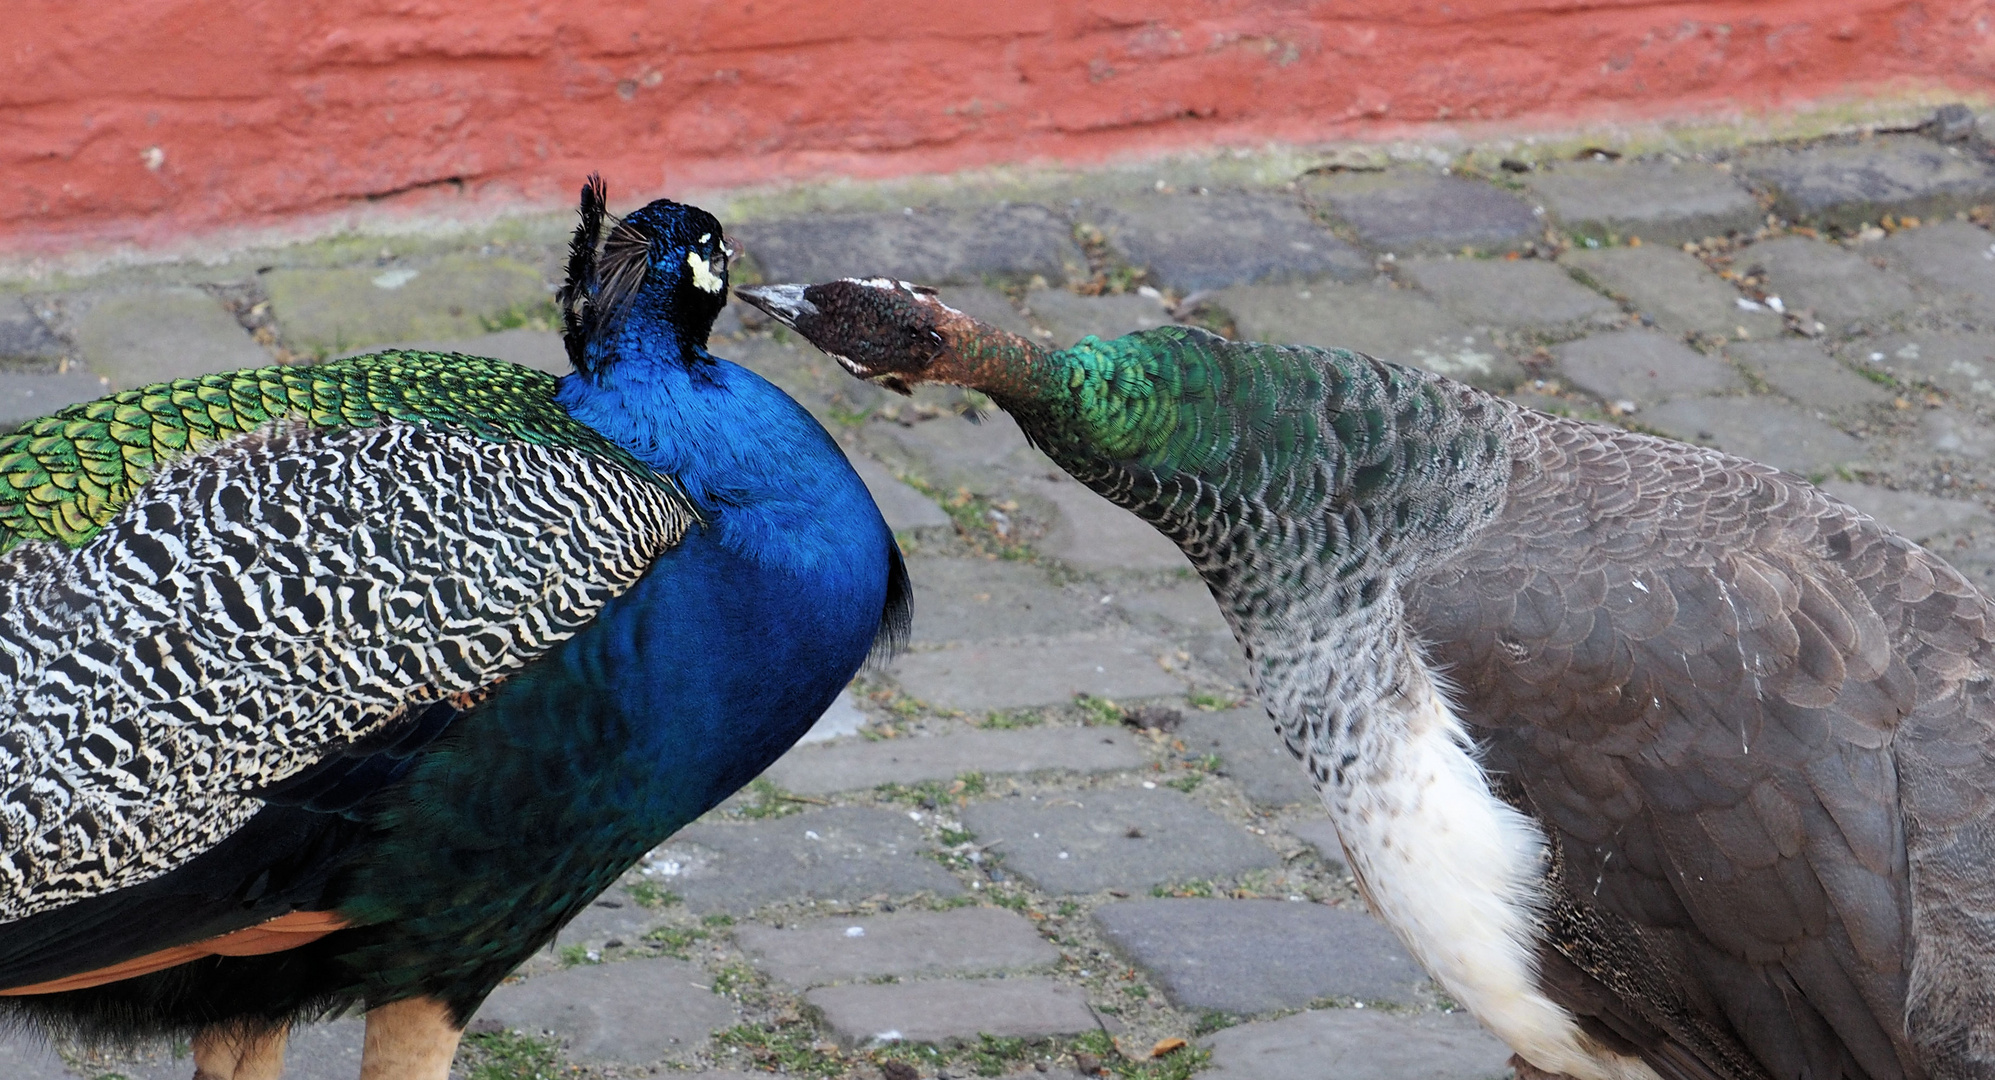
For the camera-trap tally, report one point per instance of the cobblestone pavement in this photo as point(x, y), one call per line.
point(1058, 831)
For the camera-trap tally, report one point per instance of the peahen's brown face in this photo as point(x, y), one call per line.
point(881, 330)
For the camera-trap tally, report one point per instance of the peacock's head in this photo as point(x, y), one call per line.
point(894, 333)
point(662, 269)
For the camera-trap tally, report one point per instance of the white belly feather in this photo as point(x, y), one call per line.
point(1454, 871)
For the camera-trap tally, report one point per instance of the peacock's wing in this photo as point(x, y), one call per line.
point(226, 588)
point(1757, 727)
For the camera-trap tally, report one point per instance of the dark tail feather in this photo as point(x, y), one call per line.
point(577, 295)
point(897, 615)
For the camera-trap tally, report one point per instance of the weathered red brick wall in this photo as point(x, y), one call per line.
point(149, 119)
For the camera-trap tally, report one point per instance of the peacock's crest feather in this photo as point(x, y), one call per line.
point(64, 476)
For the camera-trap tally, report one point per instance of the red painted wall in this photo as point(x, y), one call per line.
point(150, 119)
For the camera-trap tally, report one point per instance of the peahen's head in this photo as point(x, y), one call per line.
point(660, 276)
point(896, 334)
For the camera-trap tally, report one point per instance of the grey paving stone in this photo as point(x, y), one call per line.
point(1391, 323)
point(908, 945)
point(1184, 612)
point(1802, 371)
point(1504, 292)
point(904, 508)
point(1951, 433)
point(841, 718)
point(1359, 1044)
point(1219, 652)
point(1081, 843)
point(450, 298)
point(804, 373)
point(1659, 201)
point(1401, 213)
point(926, 246)
point(1646, 367)
point(821, 770)
point(1674, 288)
point(1769, 431)
point(951, 452)
point(1953, 123)
point(1194, 242)
point(1854, 183)
point(24, 1055)
point(1250, 956)
point(325, 1051)
point(1837, 284)
point(1172, 608)
point(980, 678)
point(951, 1012)
point(979, 600)
point(25, 397)
point(1254, 756)
point(26, 341)
point(1321, 834)
point(613, 916)
point(1962, 364)
point(986, 304)
point(149, 335)
point(1923, 518)
point(844, 853)
point(540, 349)
point(1071, 317)
point(151, 1061)
point(321, 1051)
point(1950, 256)
point(632, 1013)
point(1095, 534)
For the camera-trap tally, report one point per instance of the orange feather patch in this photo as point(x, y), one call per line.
point(281, 933)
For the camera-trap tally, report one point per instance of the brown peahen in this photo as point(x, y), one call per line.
point(1663, 762)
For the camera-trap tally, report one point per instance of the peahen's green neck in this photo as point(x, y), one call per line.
point(1281, 471)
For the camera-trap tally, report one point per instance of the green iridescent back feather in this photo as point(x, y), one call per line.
point(64, 476)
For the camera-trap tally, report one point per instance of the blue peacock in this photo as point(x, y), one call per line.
point(351, 684)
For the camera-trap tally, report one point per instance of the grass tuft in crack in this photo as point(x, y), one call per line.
point(507, 1055)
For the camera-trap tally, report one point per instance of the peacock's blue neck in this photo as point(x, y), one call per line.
point(764, 474)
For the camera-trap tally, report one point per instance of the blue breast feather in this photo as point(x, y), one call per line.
point(684, 689)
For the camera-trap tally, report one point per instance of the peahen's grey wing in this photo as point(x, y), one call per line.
point(272, 599)
point(1757, 726)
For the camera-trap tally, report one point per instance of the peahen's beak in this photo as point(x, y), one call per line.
point(788, 304)
point(783, 303)
point(885, 331)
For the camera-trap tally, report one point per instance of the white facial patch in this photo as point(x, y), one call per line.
point(703, 275)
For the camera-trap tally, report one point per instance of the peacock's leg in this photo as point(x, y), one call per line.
point(413, 1039)
point(225, 1052)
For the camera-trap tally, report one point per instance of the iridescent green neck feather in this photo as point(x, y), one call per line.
point(1325, 462)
